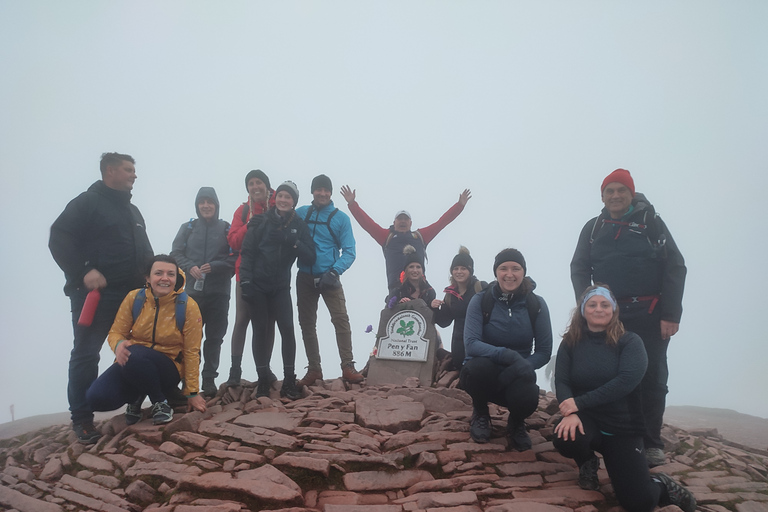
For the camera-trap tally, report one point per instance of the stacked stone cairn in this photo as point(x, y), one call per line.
point(344, 448)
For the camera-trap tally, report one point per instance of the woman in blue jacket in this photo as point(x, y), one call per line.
point(507, 337)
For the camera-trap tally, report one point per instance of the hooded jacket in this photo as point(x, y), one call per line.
point(271, 246)
point(100, 229)
point(636, 256)
point(509, 327)
point(325, 235)
point(155, 327)
point(201, 241)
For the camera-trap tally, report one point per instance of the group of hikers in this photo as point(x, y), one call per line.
point(611, 368)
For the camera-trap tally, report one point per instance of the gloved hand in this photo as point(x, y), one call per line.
point(291, 237)
point(247, 292)
point(508, 357)
point(330, 280)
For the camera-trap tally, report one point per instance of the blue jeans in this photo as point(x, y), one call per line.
point(147, 372)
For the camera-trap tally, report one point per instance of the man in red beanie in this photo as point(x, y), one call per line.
point(629, 248)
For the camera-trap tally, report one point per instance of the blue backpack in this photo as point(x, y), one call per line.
point(181, 307)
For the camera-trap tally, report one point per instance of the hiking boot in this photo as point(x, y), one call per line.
point(133, 412)
point(289, 389)
point(517, 437)
point(235, 373)
point(676, 494)
point(349, 374)
point(263, 388)
point(86, 432)
point(655, 457)
point(161, 413)
point(209, 387)
point(310, 378)
point(480, 428)
point(588, 474)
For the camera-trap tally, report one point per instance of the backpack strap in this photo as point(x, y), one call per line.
point(246, 210)
point(486, 303)
point(181, 310)
point(138, 303)
point(181, 307)
point(327, 223)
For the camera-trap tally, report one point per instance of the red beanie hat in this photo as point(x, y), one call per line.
point(619, 176)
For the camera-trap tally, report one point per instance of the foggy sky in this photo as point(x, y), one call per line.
point(529, 104)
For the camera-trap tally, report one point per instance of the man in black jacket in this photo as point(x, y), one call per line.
point(100, 242)
point(202, 250)
point(629, 248)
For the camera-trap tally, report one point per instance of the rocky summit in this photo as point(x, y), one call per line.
point(344, 448)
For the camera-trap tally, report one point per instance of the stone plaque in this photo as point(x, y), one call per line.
point(406, 343)
point(405, 339)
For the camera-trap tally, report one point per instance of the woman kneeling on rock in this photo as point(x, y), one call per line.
point(507, 336)
point(599, 367)
point(151, 352)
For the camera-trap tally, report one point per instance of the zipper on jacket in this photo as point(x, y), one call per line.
point(154, 327)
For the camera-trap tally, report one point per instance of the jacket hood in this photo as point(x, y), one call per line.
point(181, 279)
point(209, 193)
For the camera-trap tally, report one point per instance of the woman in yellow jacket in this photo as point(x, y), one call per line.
point(151, 353)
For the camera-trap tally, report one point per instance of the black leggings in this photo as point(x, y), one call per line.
point(624, 457)
point(486, 381)
point(275, 305)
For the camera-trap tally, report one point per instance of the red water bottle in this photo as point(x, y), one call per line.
point(89, 308)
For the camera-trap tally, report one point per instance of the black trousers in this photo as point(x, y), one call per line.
point(275, 305)
point(624, 458)
point(653, 387)
point(486, 381)
point(215, 312)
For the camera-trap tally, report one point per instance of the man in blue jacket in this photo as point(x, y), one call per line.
point(202, 251)
point(335, 246)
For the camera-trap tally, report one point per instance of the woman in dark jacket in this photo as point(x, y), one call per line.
point(599, 367)
point(505, 343)
point(464, 286)
point(273, 242)
point(415, 285)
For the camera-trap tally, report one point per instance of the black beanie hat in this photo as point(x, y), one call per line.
point(321, 181)
point(291, 188)
point(509, 255)
point(257, 173)
point(412, 256)
point(464, 259)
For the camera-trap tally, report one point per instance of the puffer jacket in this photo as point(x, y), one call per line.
point(267, 256)
point(155, 327)
point(201, 241)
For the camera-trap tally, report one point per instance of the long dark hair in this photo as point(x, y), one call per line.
point(577, 326)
